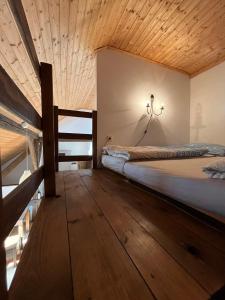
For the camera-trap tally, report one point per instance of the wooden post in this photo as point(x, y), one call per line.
point(56, 130)
point(48, 129)
point(94, 139)
point(3, 286)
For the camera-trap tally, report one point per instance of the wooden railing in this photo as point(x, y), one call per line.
point(12, 99)
point(75, 136)
point(12, 206)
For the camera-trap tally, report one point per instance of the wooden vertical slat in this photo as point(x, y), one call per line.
point(3, 288)
point(94, 139)
point(48, 128)
point(56, 131)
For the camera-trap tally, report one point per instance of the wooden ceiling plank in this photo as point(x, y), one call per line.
point(214, 58)
point(136, 25)
point(81, 50)
point(90, 11)
point(42, 8)
point(207, 67)
point(76, 56)
point(115, 11)
point(17, 46)
point(72, 33)
point(17, 10)
point(64, 32)
point(137, 11)
point(129, 17)
point(54, 15)
point(209, 34)
point(84, 87)
point(169, 28)
point(88, 89)
point(159, 25)
point(75, 48)
point(164, 31)
point(89, 56)
point(186, 26)
point(165, 12)
point(142, 33)
point(120, 22)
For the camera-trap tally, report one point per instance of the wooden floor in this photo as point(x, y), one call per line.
point(104, 238)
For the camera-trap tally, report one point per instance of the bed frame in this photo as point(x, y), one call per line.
point(209, 220)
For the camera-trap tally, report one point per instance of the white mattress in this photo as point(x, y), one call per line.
point(181, 179)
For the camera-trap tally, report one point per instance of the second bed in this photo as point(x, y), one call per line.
point(180, 179)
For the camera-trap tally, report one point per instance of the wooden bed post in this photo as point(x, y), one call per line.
point(56, 131)
point(3, 287)
point(48, 129)
point(94, 139)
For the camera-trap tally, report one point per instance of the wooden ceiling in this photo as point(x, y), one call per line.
point(187, 35)
point(11, 144)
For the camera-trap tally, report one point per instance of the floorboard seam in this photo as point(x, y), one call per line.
point(148, 287)
point(181, 266)
point(68, 236)
point(184, 268)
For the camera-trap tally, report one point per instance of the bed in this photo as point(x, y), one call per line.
point(180, 179)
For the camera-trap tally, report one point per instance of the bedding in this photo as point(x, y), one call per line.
point(214, 149)
point(181, 179)
point(113, 163)
point(216, 169)
point(152, 152)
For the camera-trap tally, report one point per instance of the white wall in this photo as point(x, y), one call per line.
point(74, 125)
point(208, 106)
point(124, 83)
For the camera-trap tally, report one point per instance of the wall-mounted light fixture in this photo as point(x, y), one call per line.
point(151, 109)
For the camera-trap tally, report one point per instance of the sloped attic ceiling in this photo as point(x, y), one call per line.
point(187, 35)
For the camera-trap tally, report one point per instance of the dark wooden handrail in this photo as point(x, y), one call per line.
point(74, 113)
point(16, 201)
point(74, 136)
point(65, 158)
point(12, 99)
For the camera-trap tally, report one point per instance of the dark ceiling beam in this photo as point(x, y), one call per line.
point(23, 27)
point(6, 171)
point(12, 99)
point(8, 124)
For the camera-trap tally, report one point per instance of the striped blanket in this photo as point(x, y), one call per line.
point(152, 152)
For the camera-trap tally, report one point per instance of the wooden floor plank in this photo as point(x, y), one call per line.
point(203, 261)
point(100, 266)
point(165, 277)
point(210, 235)
point(44, 269)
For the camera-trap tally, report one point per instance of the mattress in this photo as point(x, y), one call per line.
point(181, 179)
